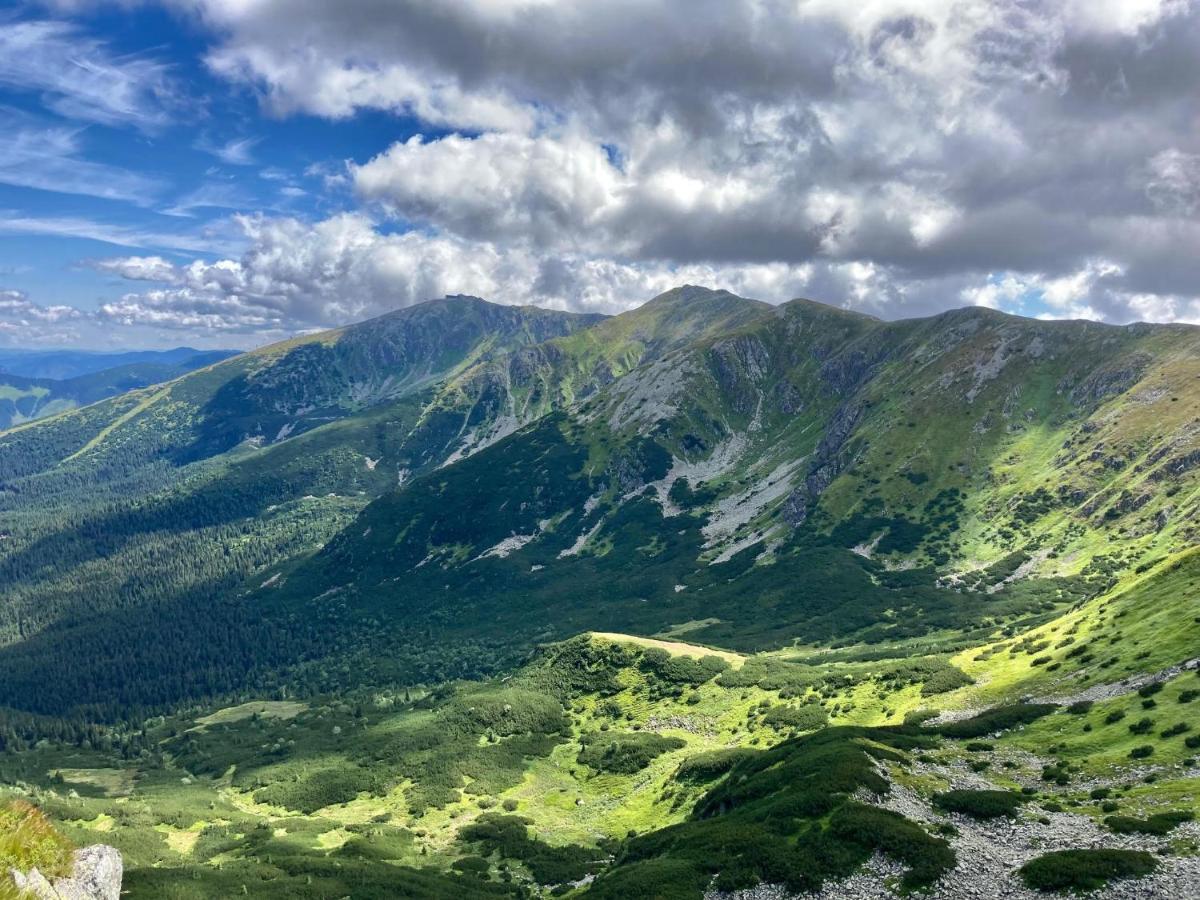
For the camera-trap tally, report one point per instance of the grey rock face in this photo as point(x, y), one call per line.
point(95, 875)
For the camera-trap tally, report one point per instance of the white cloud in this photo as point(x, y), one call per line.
point(82, 78)
point(1173, 182)
point(49, 158)
point(235, 152)
point(496, 186)
point(207, 241)
point(16, 306)
point(25, 323)
point(929, 142)
point(138, 268)
point(898, 156)
point(297, 276)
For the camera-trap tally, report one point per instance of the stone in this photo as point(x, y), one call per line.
point(96, 874)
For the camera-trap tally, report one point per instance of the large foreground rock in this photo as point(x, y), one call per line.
point(95, 875)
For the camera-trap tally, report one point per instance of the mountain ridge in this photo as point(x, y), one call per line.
point(708, 596)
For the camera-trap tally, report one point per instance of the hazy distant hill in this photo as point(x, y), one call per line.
point(61, 365)
point(35, 384)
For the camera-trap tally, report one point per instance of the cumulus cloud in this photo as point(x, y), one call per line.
point(298, 276)
point(26, 322)
point(894, 156)
point(138, 268)
point(890, 146)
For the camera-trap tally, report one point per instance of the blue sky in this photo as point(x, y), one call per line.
point(230, 172)
point(165, 175)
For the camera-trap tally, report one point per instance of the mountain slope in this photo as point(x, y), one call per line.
point(265, 456)
point(940, 480)
point(856, 478)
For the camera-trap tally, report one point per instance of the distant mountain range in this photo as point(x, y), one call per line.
point(38, 383)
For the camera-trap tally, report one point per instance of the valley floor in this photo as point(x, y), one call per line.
point(559, 780)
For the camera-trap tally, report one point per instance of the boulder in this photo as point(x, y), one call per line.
point(95, 875)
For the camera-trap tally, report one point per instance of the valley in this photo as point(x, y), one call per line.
point(708, 599)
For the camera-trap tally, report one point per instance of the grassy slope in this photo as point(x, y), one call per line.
point(202, 786)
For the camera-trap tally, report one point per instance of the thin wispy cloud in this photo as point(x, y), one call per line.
point(81, 78)
point(13, 222)
point(35, 154)
point(236, 152)
point(211, 195)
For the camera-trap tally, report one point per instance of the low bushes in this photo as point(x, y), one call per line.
point(509, 837)
point(1001, 718)
point(979, 804)
point(680, 669)
point(926, 857)
point(1084, 870)
point(705, 767)
point(318, 789)
point(1157, 824)
point(783, 816)
point(625, 754)
point(799, 718)
point(945, 680)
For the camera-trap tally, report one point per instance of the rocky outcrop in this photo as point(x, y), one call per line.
point(1177, 466)
point(95, 875)
point(1109, 381)
point(828, 462)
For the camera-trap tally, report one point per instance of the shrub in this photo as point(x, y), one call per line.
point(927, 857)
point(680, 669)
point(625, 754)
point(1177, 728)
point(509, 836)
point(705, 767)
point(980, 747)
point(1192, 742)
point(1188, 696)
point(1115, 716)
point(918, 716)
point(1141, 752)
point(999, 719)
point(1079, 707)
point(800, 718)
point(979, 804)
point(471, 865)
point(945, 680)
point(1085, 870)
point(1142, 726)
point(318, 789)
point(1149, 690)
point(1157, 824)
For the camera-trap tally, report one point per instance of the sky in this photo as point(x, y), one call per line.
point(225, 173)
